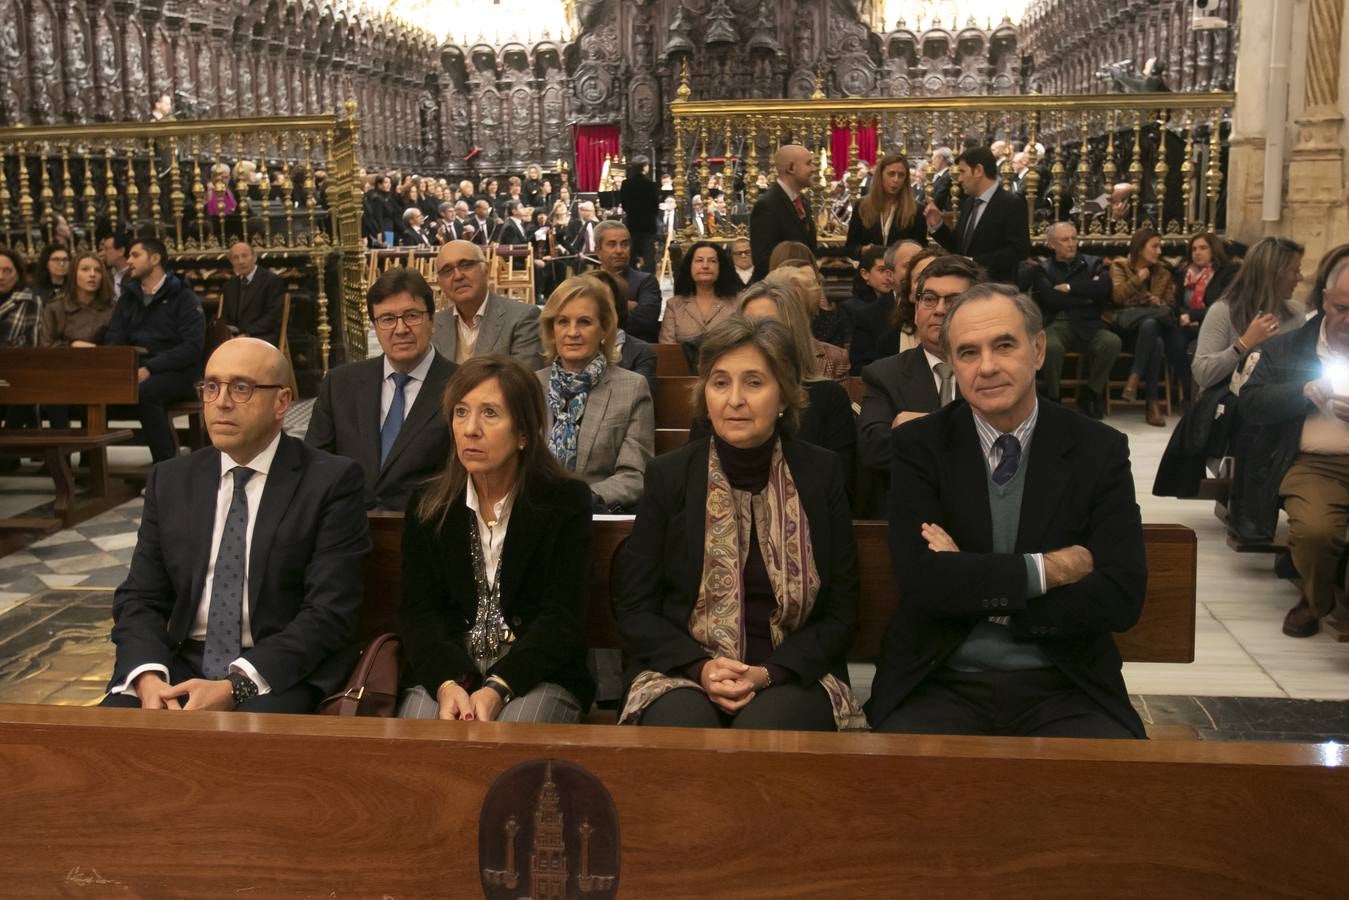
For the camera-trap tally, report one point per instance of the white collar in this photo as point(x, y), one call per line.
point(477, 316)
point(932, 361)
point(501, 510)
point(418, 372)
point(260, 464)
point(792, 193)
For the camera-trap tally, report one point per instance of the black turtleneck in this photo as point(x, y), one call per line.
point(746, 468)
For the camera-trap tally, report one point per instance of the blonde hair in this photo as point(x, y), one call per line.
point(807, 283)
point(574, 288)
point(792, 311)
point(788, 252)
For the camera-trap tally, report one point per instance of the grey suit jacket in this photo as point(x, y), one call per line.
point(617, 437)
point(345, 421)
point(508, 326)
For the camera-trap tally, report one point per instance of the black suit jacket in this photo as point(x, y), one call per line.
point(545, 584)
point(255, 309)
point(773, 221)
point(644, 318)
point(895, 384)
point(512, 232)
point(662, 565)
point(860, 235)
point(640, 357)
point(345, 420)
point(1078, 490)
point(941, 189)
point(1000, 241)
point(304, 566)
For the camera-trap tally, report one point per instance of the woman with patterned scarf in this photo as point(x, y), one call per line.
point(739, 582)
point(601, 424)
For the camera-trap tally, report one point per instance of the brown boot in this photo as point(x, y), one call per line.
point(1130, 392)
point(1153, 415)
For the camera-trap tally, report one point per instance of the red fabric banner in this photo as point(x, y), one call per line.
point(838, 145)
point(593, 143)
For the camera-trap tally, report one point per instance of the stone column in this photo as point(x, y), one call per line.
point(1315, 205)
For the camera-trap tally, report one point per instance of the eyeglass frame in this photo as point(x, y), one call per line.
point(463, 267)
point(231, 388)
point(421, 314)
point(936, 298)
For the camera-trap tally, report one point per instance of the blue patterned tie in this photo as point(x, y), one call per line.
point(1011, 458)
point(224, 622)
point(393, 422)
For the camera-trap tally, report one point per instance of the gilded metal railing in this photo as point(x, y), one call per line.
point(289, 186)
point(1109, 163)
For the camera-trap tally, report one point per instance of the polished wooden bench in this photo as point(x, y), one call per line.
point(1164, 633)
point(240, 805)
point(672, 403)
point(92, 377)
point(671, 361)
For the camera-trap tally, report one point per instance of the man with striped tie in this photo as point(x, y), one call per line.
point(245, 585)
point(1017, 545)
point(385, 412)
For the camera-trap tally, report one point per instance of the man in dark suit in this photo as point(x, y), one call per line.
point(940, 190)
point(579, 237)
point(992, 227)
point(245, 585)
point(385, 412)
point(484, 224)
point(254, 297)
point(514, 230)
point(614, 246)
point(781, 213)
point(414, 232)
point(1018, 547)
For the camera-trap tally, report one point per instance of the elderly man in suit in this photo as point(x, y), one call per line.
point(245, 585)
point(992, 227)
point(1017, 545)
point(385, 412)
point(254, 297)
point(909, 385)
point(613, 244)
point(781, 213)
point(940, 189)
point(479, 322)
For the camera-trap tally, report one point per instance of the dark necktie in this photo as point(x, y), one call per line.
point(224, 621)
point(1011, 458)
point(968, 232)
point(800, 207)
point(948, 383)
point(393, 422)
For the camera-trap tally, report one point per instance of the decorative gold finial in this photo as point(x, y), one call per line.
point(683, 92)
point(819, 84)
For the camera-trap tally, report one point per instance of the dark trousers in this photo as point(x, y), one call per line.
point(1031, 703)
point(156, 393)
point(1100, 349)
point(644, 246)
point(1155, 343)
point(786, 707)
point(302, 698)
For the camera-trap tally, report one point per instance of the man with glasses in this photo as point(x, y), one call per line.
point(479, 322)
point(159, 313)
point(385, 412)
point(245, 585)
point(1072, 289)
point(909, 385)
point(742, 261)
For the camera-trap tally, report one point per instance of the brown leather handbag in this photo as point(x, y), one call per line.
point(372, 690)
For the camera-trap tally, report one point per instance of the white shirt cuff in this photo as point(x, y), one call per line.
point(245, 668)
point(128, 686)
point(1042, 588)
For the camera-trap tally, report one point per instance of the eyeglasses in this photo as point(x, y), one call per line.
point(412, 318)
point(740, 253)
point(930, 299)
point(59, 260)
point(464, 267)
point(240, 391)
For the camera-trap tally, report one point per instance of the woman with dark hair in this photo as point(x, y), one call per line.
point(496, 550)
point(601, 424)
point(888, 212)
point(1143, 295)
point(1201, 278)
point(384, 211)
point(51, 275)
point(703, 289)
point(20, 309)
point(1255, 307)
point(80, 316)
point(640, 201)
point(739, 595)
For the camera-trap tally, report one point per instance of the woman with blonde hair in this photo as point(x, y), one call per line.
point(831, 360)
point(601, 423)
point(888, 213)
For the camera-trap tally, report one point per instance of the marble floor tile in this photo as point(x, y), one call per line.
point(81, 564)
point(60, 581)
point(68, 536)
point(9, 600)
point(124, 541)
point(15, 560)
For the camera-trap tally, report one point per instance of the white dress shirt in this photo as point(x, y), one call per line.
point(468, 331)
point(261, 465)
point(932, 363)
point(491, 535)
point(418, 375)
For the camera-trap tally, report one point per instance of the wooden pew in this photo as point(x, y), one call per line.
point(672, 402)
point(92, 377)
point(379, 807)
point(670, 361)
point(668, 439)
point(1164, 633)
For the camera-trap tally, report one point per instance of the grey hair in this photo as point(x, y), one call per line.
point(1049, 232)
point(607, 226)
point(409, 213)
point(1024, 305)
point(946, 154)
point(1333, 276)
point(893, 250)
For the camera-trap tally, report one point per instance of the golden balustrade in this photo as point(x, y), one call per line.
point(1167, 149)
point(199, 186)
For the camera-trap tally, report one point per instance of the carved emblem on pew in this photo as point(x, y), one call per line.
point(548, 831)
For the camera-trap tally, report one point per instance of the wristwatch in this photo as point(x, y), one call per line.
point(242, 688)
point(503, 690)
